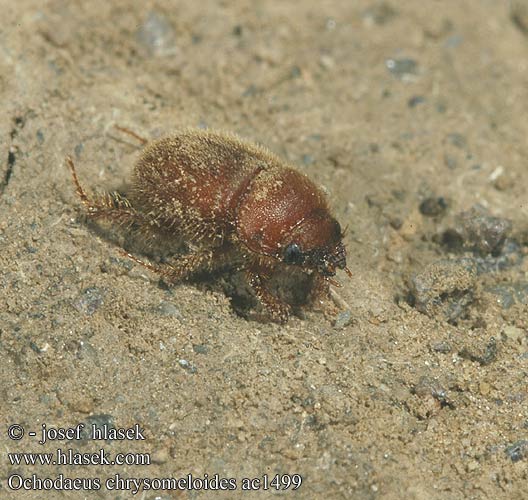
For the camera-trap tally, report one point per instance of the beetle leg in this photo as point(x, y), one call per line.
point(320, 294)
point(110, 206)
point(185, 265)
point(116, 209)
point(320, 288)
point(257, 277)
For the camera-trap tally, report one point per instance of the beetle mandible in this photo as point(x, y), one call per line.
point(231, 200)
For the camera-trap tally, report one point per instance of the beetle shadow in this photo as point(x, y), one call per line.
point(293, 288)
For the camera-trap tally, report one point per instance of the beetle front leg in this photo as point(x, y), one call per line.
point(257, 277)
point(320, 296)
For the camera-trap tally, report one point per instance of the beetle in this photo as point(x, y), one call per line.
point(231, 201)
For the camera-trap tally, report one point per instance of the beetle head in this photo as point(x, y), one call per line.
point(315, 243)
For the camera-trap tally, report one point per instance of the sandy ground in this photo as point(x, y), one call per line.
point(412, 115)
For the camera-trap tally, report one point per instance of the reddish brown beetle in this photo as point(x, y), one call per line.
point(232, 201)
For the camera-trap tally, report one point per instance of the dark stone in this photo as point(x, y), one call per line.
point(433, 207)
point(485, 359)
point(517, 451)
point(415, 100)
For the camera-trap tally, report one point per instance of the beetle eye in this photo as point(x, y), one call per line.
point(293, 254)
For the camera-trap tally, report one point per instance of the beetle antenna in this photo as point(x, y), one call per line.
point(142, 140)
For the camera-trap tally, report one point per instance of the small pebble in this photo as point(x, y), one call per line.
point(457, 140)
point(402, 68)
point(427, 386)
point(343, 319)
point(169, 309)
point(326, 62)
point(442, 347)
point(200, 348)
point(517, 451)
point(484, 388)
point(503, 182)
point(160, 456)
point(441, 107)
point(514, 334)
point(484, 359)
point(79, 148)
point(396, 222)
point(472, 466)
point(183, 363)
point(433, 207)
point(83, 404)
point(415, 100)
point(39, 349)
point(444, 288)
point(187, 366)
point(157, 34)
point(477, 230)
point(379, 13)
point(450, 161)
point(90, 300)
point(331, 24)
point(511, 255)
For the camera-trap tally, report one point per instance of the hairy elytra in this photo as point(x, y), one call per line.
point(232, 201)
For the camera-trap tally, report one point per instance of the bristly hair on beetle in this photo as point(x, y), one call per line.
point(231, 201)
